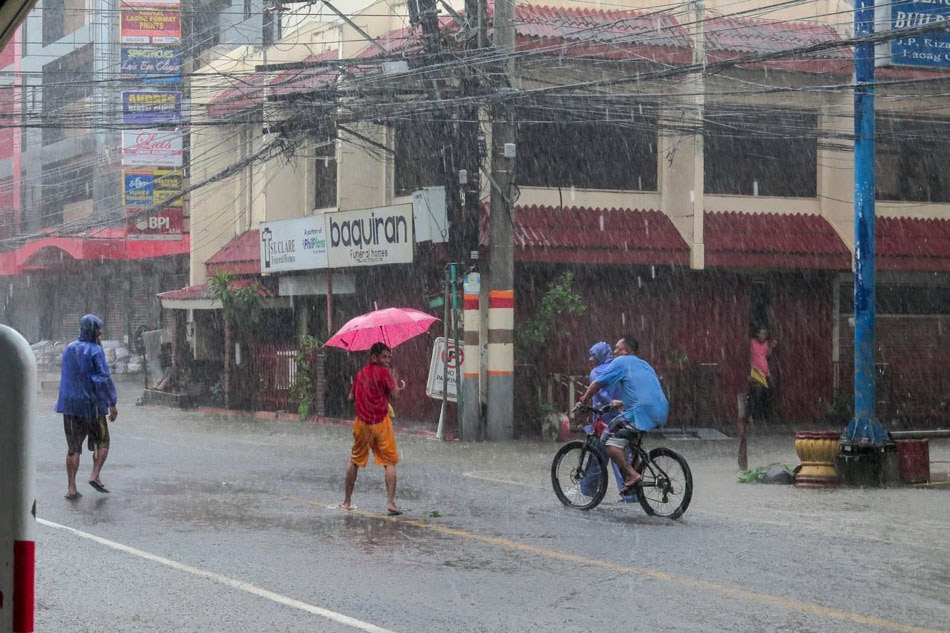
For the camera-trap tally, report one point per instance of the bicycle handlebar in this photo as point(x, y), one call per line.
point(598, 410)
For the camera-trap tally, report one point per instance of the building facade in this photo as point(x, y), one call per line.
point(693, 170)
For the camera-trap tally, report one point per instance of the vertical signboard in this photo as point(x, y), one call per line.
point(151, 64)
point(153, 23)
point(147, 194)
point(159, 148)
point(151, 108)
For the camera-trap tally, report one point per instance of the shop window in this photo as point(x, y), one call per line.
point(911, 157)
point(587, 144)
point(325, 174)
point(420, 156)
point(761, 152)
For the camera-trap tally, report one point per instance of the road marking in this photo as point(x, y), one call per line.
point(224, 580)
point(474, 475)
point(705, 585)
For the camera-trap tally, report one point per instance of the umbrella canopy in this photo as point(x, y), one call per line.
point(391, 326)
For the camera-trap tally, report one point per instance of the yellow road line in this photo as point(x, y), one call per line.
point(793, 605)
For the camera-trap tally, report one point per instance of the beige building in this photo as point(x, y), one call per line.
point(694, 143)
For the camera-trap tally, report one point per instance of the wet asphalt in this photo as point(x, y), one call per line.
point(219, 523)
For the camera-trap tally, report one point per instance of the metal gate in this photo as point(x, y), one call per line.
point(275, 370)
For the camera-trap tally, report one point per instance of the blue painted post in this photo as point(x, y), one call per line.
point(17, 474)
point(865, 429)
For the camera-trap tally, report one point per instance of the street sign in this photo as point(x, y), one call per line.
point(445, 361)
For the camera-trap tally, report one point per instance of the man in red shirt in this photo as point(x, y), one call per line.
point(372, 390)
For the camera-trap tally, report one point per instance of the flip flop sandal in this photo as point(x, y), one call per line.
point(98, 486)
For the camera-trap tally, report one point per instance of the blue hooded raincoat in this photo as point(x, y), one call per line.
point(85, 387)
point(602, 355)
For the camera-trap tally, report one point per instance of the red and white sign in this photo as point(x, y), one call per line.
point(158, 148)
point(161, 225)
point(444, 362)
point(144, 24)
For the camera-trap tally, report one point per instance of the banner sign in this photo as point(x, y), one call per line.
point(369, 237)
point(151, 108)
point(444, 362)
point(159, 148)
point(148, 63)
point(156, 3)
point(298, 244)
point(162, 225)
point(144, 24)
point(931, 50)
point(150, 187)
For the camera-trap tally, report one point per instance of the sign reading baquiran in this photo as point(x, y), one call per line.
point(369, 237)
point(930, 49)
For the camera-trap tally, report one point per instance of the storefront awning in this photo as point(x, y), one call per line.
point(198, 297)
point(912, 244)
point(240, 256)
point(98, 245)
point(593, 236)
point(773, 240)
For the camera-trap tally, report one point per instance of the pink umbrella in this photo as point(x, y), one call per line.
point(391, 326)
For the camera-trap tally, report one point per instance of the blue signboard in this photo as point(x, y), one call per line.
point(151, 108)
point(151, 64)
point(930, 49)
point(139, 188)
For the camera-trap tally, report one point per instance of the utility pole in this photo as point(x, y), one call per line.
point(865, 429)
point(501, 294)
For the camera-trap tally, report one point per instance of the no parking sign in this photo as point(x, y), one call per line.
point(445, 361)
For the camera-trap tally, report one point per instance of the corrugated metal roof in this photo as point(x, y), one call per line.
point(772, 240)
point(303, 80)
point(203, 291)
point(241, 255)
point(593, 236)
point(246, 94)
point(912, 244)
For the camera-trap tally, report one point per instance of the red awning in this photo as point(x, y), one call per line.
point(773, 240)
point(593, 236)
point(912, 244)
point(241, 256)
point(8, 264)
point(198, 297)
point(246, 93)
point(304, 80)
point(97, 245)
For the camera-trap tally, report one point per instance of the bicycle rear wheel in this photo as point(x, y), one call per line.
point(579, 475)
point(667, 485)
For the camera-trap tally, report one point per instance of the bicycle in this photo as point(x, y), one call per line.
point(580, 480)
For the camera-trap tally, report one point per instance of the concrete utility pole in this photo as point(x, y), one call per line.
point(501, 294)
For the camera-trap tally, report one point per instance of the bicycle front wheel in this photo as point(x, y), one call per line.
point(667, 485)
point(579, 475)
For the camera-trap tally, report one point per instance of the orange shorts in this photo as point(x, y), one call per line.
point(379, 437)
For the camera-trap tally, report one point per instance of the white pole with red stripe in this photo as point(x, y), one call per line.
point(17, 473)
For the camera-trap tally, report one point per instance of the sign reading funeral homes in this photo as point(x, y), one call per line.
point(297, 244)
point(369, 237)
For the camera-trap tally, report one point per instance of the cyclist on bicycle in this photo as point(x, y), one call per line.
point(645, 404)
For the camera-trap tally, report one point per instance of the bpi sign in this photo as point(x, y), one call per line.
point(445, 361)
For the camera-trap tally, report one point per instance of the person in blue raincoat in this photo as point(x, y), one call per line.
point(86, 395)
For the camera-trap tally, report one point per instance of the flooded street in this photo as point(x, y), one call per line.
point(229, 524)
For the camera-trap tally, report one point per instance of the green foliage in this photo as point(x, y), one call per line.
point(301, 391)
point(757, 475)
point(559, 300)
point(241, 307)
